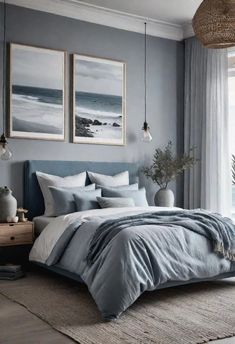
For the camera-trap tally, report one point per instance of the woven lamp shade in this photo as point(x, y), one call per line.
point(214, 23)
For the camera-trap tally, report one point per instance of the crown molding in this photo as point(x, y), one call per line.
point(99, 15)
point(188, 30)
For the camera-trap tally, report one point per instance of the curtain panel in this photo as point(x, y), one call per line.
point(208, 184)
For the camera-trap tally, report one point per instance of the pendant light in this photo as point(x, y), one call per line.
point(214, 23)
point(5, 153)
point(146, 136)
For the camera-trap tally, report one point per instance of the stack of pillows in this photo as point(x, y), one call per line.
point(70, 194)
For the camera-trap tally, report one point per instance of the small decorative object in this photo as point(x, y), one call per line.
point(164, 169)
point(214, 23)
point(147, 137)
point(21, 214)
point(99, 100)
point(8, 204)
point(36, 93)
point(5, 153)
point(14, 219)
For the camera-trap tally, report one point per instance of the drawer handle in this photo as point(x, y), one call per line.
point(12, 238)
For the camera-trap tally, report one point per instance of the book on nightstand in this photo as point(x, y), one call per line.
point(11, 272)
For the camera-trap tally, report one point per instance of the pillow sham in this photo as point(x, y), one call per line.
point(119, 179)
point(139, 196)
point(115, 202)
point(120, 188)
point(63, 198)
point(87, 200)
point(45, 180)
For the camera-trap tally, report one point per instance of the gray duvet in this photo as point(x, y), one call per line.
point(122, 255)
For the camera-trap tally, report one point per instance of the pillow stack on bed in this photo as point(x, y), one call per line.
point(70, 194)
point(117, 192)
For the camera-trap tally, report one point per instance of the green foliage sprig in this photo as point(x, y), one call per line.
point(167, 167)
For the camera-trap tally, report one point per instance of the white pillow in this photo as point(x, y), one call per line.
point(45, 180)
point(120, 179)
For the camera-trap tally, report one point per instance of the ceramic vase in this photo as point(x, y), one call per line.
point(8, 204)
point(164, 198)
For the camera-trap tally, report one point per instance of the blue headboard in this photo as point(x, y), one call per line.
point(33, 199)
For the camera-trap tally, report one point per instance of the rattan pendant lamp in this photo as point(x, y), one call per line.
point(214, 23)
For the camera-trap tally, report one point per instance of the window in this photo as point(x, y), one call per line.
point(232, 116)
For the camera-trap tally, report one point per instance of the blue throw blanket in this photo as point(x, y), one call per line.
point(219, 230)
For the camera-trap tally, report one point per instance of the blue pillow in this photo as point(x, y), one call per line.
point(87, 200)
point(139, 196)
point(115, 202)
point(64, 199)
point(119, 188)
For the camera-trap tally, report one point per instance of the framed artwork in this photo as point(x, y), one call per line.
point(36, 93)
point(99, 100)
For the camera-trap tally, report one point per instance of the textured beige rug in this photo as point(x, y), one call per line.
point(188, 314)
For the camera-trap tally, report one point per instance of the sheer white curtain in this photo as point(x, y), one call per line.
point(208, 184)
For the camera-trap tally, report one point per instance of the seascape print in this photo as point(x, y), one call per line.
point(37, 93)
point(99, 101)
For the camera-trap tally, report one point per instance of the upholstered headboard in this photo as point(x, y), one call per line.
point(33, 200)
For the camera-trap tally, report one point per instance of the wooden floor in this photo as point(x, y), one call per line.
point(19, 326)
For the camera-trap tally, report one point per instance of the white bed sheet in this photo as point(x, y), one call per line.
point(40, 222)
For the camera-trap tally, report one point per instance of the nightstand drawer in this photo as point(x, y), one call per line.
point(16, 234)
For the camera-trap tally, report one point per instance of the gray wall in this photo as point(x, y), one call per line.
point(165, 91)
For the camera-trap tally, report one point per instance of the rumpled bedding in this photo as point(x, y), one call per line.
point(121, 253)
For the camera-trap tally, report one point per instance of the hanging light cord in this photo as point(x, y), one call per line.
point(145, 72)
point(4, 68)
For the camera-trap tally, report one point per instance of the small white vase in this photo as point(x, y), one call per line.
point(164, 198)
point(8, 204)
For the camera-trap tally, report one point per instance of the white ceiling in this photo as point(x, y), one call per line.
point(171, 11)
point(169, 19)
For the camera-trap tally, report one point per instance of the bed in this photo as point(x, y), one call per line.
point(121, 253)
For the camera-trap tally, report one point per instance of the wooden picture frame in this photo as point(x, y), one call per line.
point(99, 100)
point(36, 93)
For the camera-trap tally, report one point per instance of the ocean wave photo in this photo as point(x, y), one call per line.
point(37, 93)
point(37, 110)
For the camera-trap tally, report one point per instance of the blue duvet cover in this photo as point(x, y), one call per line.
point(120, 253)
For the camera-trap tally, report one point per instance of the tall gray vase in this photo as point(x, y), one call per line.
point(8, 204)
point(164, 198)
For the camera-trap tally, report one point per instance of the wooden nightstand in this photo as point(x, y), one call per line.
point(16, 240)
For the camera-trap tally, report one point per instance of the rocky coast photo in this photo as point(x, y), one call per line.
point(98, 101)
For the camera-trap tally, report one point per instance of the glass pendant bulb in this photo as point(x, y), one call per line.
point(5, 153)
point(147, 137)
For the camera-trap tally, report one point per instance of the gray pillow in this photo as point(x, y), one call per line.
point(64, 200)
point(87, 200)
point(115, 202)
point(46, 180)
point(106, 180)
point(130, 187)
point(139, 196)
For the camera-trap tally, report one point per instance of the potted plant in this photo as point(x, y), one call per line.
point(165, 168)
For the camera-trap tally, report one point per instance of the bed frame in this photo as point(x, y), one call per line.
point(33, 199)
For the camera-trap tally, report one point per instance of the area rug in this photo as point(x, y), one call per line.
point(190, 314)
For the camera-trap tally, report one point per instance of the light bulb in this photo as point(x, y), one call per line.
point(7, 154)
point(147, 137)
